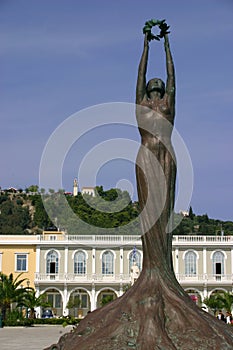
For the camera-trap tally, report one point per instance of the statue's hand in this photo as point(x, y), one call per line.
point(151, 23)
point(163, 29)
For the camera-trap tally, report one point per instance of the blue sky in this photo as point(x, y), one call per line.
point(59, 57)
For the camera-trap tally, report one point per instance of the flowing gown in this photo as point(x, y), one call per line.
point(156, 174)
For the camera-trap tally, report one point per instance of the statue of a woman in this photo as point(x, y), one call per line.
point(155, 166)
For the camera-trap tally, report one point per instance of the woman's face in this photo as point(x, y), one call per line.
point(156, 85)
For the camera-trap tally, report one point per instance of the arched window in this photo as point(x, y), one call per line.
point(107, 263)
point(190, 264)
point(218, 263)
point(80, 263)
point(52, 262)
point(135, 257)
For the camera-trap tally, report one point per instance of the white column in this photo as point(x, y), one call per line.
point(66, 260)
point(38, 259)
point(38, 308)
point(93, 303)
point(204, 261)
point(93, 261)
point(65, 301)
point(37, 289)
point(121, 290)
point(121, 261)
point(205, 294)
point(177, 260)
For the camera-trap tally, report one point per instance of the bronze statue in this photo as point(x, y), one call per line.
point(155, 313)
point(155, 165)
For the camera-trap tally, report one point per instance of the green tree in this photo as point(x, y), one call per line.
point(74, 302)
point(14, 218)
point(214, 302)
point(226, 299)
point(41, 218)
point(10, 291)
point(31, 301)
point(32, 188)
point(107, 299)
point(191, 213)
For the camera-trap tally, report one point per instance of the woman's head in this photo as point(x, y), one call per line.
point(155, 84)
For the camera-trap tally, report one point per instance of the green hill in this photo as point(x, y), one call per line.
point(23, 212)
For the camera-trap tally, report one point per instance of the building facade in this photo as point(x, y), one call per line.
point(80, 273)
point(18, 256)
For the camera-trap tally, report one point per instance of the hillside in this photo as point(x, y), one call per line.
point(23, 213)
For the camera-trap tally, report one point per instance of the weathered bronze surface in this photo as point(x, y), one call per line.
point(155, 313)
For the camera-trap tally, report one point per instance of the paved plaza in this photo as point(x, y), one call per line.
point(30, 338)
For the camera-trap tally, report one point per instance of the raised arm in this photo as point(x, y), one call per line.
point(170, 85)
point(141, 80)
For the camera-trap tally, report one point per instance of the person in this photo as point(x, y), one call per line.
point(228, 318)
point(155, 163)
point(221, 316)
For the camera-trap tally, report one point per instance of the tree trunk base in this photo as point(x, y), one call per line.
point(154, 314)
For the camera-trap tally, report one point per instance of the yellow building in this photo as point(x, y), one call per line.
point(18, 255)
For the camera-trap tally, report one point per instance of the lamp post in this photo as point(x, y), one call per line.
point(21, 308)
point(28, 284)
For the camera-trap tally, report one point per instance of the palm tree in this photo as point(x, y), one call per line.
point(10, 291)
point(31, 301)
point(220, 301)
point(226, 299)
point(214, 303)
point(107, 299)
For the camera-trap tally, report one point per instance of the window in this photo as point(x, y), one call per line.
point(52, 262)
point(80, 299)
point(57, 300)
point(50, 299)
point(190, 264)
point(21, 262)
point(84, 301)
point(54, 299)
point(107, 263)
point(80, 263)
point(135, 257)
point(218, 263)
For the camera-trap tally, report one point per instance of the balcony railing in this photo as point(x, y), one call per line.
point(74, 278)
point(212, 240)
point(204, 278)
point(112, 239)
point(132, 239)
point(92, 239)
point(125, 278)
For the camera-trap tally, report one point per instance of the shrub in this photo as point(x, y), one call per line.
point(53, 321)
point(26, 322)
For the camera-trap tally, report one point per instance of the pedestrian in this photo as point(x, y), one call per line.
point(228, 318)
point(221, 316)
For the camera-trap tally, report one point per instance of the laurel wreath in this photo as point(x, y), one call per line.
point(152, 23)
